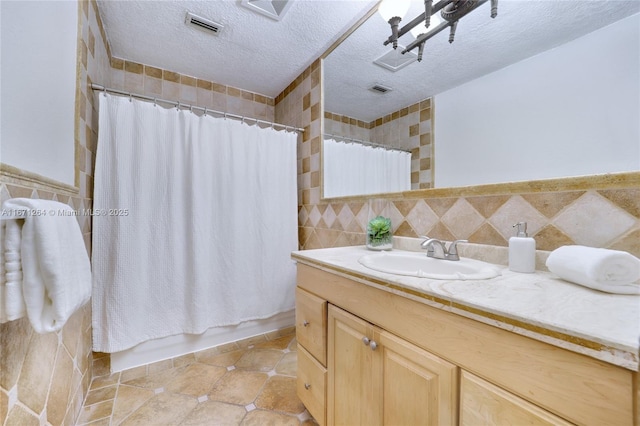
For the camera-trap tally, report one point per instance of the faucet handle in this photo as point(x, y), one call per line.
point(453, 247)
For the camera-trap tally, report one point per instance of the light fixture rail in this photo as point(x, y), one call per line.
point(191, 107)
point(451, 12)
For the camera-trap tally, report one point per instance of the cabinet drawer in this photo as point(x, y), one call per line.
point(311, 385)
point(482, 403)
point(311, 324)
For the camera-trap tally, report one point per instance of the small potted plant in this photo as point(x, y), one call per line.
point(379, 235)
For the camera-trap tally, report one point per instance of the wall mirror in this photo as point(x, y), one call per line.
point(535, 93)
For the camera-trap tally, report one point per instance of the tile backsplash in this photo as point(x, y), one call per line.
point(607, 218)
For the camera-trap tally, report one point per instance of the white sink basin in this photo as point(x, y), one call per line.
point(419, 265)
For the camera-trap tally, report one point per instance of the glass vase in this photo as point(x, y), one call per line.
point(379, 227)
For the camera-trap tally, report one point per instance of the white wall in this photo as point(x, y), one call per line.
point(38, 84)
point(573, 110)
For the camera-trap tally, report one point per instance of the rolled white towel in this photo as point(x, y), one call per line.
point(611, 271)
point(14, 303)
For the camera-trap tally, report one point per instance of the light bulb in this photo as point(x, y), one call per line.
point(420, 29)
point(390, 8)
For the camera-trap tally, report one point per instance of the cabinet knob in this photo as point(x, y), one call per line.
point(373, 345)
point(307, 386)
point(305, 323)
point(366, 341)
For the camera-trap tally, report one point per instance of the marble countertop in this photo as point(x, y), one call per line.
point(540, 305)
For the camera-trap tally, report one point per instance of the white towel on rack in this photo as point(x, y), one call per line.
point(14, 306)
point(56, 274)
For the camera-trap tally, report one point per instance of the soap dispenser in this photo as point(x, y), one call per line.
point(522, 250)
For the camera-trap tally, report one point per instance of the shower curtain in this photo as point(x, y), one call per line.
point(194, 222)
point(356, 169)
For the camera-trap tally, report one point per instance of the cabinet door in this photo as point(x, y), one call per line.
point(353, 390)
point(419, 388)
point(482, 403)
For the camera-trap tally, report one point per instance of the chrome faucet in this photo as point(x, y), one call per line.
point(438, 249)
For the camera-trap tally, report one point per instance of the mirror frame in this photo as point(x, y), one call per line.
point(572, 183)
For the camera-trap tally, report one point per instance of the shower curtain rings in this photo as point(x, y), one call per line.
point(178, 106)
point(205, 111)
point(155, 101)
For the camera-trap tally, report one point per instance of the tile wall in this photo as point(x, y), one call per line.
point(45, 377)
point(408, 129)
point(299, 105)
point(601, 215)
point(163, 84)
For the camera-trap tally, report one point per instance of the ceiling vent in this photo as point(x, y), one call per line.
point(394, 60)
point(203, 23)
point(274, 9)
point(379, 88)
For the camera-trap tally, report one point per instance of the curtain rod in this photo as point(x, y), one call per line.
point(360, 141)
point(193, 107)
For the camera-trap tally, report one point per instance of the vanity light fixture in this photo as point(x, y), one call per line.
point(392, 11)
point(451, 12)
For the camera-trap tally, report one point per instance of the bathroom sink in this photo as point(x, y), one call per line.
point(419, 265)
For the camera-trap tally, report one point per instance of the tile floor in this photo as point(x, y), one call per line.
point(251, 382)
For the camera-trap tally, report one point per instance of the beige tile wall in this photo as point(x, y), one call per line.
point(299, 105)
point(163, 84)
point(45, 377)
point(596, 215)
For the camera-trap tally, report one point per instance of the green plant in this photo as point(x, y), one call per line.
point(379, 231)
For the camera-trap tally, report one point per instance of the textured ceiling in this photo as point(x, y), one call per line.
point(262, 55)
point(252, 52)
point(523, 28)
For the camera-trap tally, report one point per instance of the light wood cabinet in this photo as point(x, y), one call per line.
point(351, 363)
point(435, 367)
point(311, 334)
point(377, 378)
point(482, 403)
point(311, 384)
point(311, 324)
point(419, 388)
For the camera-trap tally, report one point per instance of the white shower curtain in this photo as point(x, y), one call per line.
point(356, 169)
point(194, 222)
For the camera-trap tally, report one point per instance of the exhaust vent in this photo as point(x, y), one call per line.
point(274, 9)
point(203, 23)
point(394, 61)
point(379, 88)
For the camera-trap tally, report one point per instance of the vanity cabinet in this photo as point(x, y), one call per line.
point(377, 378)
point(424, 365)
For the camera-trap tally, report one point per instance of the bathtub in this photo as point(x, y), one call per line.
point(174, 346)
